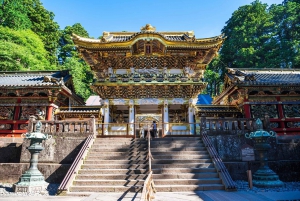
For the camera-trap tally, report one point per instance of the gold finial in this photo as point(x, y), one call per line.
point(148, 27)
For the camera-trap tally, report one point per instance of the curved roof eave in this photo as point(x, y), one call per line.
point(97, 43)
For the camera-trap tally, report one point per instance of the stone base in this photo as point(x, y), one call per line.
point(31, 188)
point(266, 178)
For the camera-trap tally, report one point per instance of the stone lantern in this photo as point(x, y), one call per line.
point(264, 176)
point(33, 180)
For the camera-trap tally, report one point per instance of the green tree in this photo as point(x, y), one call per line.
point(67, 46)
point(81, 77)
point(287, 33)
point(13, 14)
point(30, 14)
point(43, 24)
point(214, 76)
point(249, 40)
point(69, 58)
point(22, 50)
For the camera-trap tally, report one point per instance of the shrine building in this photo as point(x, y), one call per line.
point(33, 92)
point(259, 91)
point(148, 76)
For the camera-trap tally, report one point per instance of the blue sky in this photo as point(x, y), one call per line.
point(205, 17)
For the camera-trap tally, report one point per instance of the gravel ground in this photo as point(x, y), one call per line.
point(7, 190)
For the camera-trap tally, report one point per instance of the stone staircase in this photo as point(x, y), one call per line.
point(113, 165)
point(183, 164)
point(119, 165)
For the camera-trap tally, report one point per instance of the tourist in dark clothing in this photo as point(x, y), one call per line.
point(154, 130)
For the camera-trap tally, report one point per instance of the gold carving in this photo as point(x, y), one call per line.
point(148, 27)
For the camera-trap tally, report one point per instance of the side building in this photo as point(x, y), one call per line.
point(27, 93)
point(256, 92)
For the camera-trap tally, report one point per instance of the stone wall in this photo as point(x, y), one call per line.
point(60, 149)
point(284, 158)
point(53, 173)
point(10, 150)
point(54, 161)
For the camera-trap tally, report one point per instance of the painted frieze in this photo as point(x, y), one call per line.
point(259, 111)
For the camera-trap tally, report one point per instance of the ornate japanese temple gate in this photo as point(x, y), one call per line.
point(148, 76)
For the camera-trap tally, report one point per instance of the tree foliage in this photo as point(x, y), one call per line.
point(258, 36)
point(43, 24)
point(13, 14)
point(67, 46)
point(22, 50)
point(30, 14)
point(69, 58)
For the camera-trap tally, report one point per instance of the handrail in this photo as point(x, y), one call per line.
point(148, 189)
point(73, 171)
point(223, 172)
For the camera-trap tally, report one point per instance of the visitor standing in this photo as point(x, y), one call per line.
point(154, 129)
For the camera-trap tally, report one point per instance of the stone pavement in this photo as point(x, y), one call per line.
point(177, 196)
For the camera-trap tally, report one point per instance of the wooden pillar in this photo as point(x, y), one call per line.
point(281, 114)
point(131, 118)
point(166, 118)
point(247, 108)
point(49, 112)
point(17, 114)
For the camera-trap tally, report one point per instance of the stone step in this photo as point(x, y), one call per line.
point(145, 166)
point(174, 146)
point(119, 157)
point(117, 153)
point(178, 139)
point(156, 161)
point(183, 143)
point(187, 181)
point(171, 153)
point(97, 152)
point(184, 188)
point(107, 182)
point(116, 139)
point(123, 189)
point(103, 162)
point(107, 196)
point(183, 170)
point(144, 176)
point(112, 149)
point(113, 171)
point(162, 140)
point(176, 157)
point(117, 142)
point(144, 157)
point(185, 148)
point(145, 171)
point(109, 143)
point(119, 146)
point(114, 166)
point(186, 176)
point(111, 176)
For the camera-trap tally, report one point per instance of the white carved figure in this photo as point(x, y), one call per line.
point(131, 102)
point(110, 71)
point(152, 70)
point(188, 71)
point(165, 70)
point(119, 102)
point(132, 70)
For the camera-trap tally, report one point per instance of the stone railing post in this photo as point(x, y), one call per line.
point(202, 123)
point(267, 122)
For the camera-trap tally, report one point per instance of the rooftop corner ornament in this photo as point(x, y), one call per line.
point(33, 180)
point(264, 176)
